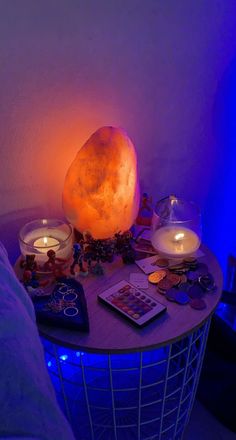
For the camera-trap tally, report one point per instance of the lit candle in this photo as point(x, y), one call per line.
point(39, 236)
point(45, 243)
point(175, 241)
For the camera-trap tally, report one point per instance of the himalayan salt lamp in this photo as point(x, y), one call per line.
point(101, 191)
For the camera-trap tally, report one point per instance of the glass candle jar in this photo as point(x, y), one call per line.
point(176, 227)
point(39, 236)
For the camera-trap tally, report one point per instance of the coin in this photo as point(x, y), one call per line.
point(177, 267)
point(157, 276)
point(184, 286)
point(207, 282)
point(181, 271)
point(192, 276)
point(162, 262)
point(161, 291)
point(170, 294)
point(192, 269)
point(181, 297)
point(165, 284)
point(198, 304)
point(190, 260)
point(174, 278)
point(183, 279)
point(195, 291)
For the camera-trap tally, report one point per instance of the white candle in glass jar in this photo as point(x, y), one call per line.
point(39, 242)
point(175, 241)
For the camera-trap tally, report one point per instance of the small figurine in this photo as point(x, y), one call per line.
point(54, 264)
point(27, 277)
point(29, 263)
point(88, 256)
point(145, 212)
point(30, 279)
point(78, 259)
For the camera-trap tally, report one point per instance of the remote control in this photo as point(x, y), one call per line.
point(132, 303)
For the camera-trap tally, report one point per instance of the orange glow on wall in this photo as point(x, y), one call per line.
point(101, 191)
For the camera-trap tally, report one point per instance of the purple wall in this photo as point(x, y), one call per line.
point(163, 70)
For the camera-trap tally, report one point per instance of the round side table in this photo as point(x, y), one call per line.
point(119, 382)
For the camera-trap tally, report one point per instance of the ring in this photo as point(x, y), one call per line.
point(63, 289)
point(71, 311)
point(72, 296)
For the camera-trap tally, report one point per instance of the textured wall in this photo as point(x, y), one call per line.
point(154, 67)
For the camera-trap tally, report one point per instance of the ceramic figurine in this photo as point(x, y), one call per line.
point(145, 212)
point(54, 264)
point(29, 263)
point(77, 258)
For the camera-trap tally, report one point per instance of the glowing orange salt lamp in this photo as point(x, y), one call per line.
point(101, 191)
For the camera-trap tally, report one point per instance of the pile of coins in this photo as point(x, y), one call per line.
point(185, 282)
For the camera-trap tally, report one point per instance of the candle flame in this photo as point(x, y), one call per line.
point(179, 236)
point(173, 200)
point(45, 241)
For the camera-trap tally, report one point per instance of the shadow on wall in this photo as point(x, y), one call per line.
point(219, 218)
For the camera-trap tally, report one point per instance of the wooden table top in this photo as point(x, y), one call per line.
point(112, 333)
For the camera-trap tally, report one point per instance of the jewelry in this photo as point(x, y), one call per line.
point(71, 311)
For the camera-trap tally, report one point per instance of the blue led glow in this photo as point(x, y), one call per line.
point(114, 387)
point(227, 312)
point(220, 209)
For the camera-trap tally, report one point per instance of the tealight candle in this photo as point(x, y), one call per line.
point(39, 236)
point(43, 243)
point(175, 241)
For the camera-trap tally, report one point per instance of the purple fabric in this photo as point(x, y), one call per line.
point(28, 406)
